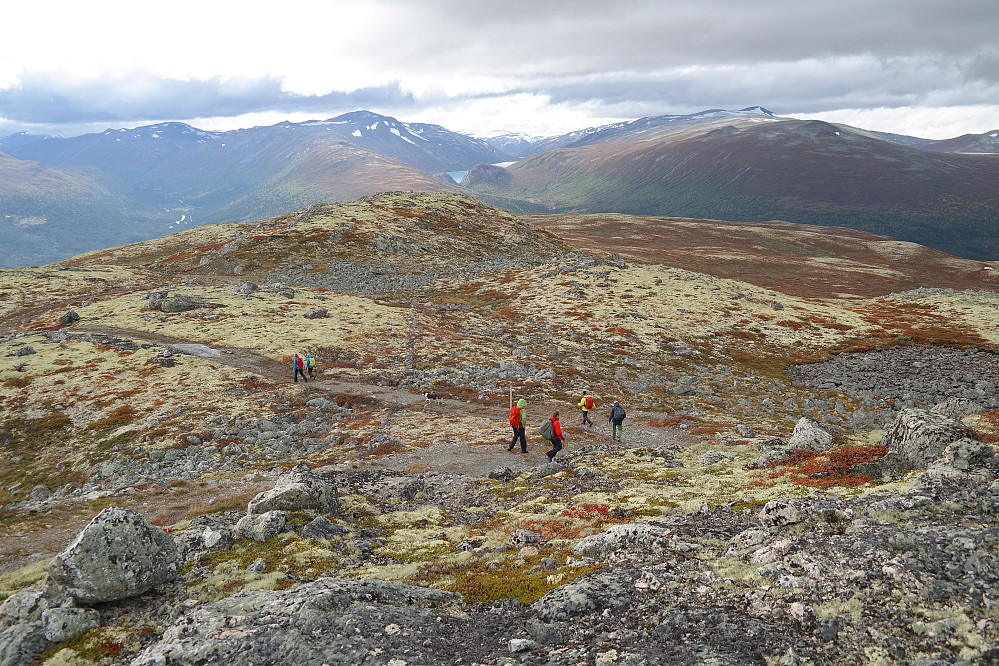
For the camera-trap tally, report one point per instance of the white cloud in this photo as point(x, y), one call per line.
point(538, 66)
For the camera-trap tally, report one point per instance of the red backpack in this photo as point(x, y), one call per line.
point(515, 416)
point(589, 402)
point(298, 363)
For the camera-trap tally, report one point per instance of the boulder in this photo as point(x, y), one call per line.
point(297, 489)
point(611, 589)
point(809, 434)
point(173, 304)
point(640, 534)
point(324, 528)
point(247, 288)
point(261, 527)
point(780, 512)
point(116, 556)
point(69, 318)
point(317, 313)
point(919, 436)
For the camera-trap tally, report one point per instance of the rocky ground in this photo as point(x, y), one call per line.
point(802, 479)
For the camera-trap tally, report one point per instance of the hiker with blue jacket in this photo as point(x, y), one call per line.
point(616, 418)
point(299, 366)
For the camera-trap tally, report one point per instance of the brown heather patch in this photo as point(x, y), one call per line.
point(116, 418)
point(823, 469)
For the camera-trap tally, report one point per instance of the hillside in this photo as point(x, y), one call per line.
point(781, 493)
point(756, 169)
point(47, 213)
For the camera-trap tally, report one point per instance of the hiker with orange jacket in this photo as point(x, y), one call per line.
point(557, 437)
point(586, 403)
point(518, 421)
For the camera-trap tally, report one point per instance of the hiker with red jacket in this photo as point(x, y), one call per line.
point(586, 403)
point(557, 437)
point(518, 421)
point(299, 367)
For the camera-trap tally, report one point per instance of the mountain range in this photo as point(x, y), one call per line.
point(62, 196)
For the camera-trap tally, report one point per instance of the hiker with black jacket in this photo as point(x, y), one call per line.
point(616, 418)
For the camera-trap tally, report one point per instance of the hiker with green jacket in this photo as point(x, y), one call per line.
point(518, 421)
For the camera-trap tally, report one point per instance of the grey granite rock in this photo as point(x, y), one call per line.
point(116, 556)
point(299, 488)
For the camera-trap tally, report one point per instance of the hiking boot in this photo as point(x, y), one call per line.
point(509, 448)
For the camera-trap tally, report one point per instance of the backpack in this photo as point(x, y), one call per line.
point(310, 361)
point(589, 402)
point(515, 416)
point(617, 413)
point(547, 430)
point(298, 363)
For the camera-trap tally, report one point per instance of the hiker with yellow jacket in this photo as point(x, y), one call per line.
point(586, 404)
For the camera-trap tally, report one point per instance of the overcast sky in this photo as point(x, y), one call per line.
point(927, 68)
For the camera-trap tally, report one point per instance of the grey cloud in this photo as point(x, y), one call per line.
point(41, 100)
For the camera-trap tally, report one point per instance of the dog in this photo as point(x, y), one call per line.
point(431, 396)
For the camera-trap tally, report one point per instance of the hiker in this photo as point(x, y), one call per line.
point(586, 402)
point(615, 419)
point(556, 438)
point(518, 421)
point(299, 366)
point(310, 363)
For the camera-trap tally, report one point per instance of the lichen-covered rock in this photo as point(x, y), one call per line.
point(116, 556)
point(780, 512)
point(261, 527)
point(28, 606)
point(21, 643)
point(323, 528)
point(297, 489)
point(640, 534)
point(920, 436)
point(69, 318)
point(316, 313)
point(329, 621)
point(809, 434)
point(605, 589)
point(957, 408)
point(62, 624)
point(966, 454)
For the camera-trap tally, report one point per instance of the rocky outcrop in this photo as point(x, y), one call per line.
point(608, 590)
point(918, 437)
point(329, 621)
point(117, 555)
